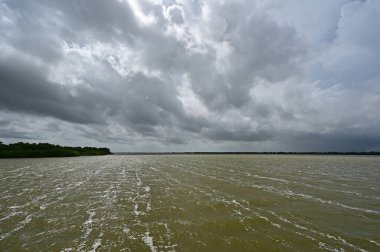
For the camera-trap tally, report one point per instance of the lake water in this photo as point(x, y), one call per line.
point(191, 203)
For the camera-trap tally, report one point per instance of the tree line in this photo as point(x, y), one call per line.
point(31, 150)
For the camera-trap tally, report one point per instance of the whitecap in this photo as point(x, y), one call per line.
point(96, 245)
point(148, 240)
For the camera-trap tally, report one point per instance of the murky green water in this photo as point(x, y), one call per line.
point(190, 203)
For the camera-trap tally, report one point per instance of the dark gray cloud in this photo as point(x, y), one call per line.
point(191, 75)
point(23, 89)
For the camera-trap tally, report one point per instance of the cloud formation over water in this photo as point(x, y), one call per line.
point(196, 75)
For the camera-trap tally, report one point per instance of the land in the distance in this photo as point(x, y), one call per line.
point(33, 150)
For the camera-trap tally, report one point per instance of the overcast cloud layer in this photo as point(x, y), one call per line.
point(178, 75)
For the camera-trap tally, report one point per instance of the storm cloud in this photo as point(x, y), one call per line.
point(195, 75)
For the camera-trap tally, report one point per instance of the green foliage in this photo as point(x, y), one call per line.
point(28, 150)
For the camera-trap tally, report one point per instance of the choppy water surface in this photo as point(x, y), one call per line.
point(190, 203)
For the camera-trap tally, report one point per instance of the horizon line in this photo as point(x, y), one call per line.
point(251, 152)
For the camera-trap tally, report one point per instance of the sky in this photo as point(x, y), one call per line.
point(177, 75)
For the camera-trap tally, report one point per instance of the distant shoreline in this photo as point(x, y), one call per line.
point(44, 150)
point(369, 153)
